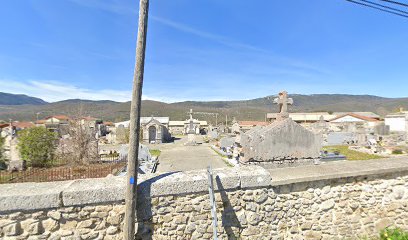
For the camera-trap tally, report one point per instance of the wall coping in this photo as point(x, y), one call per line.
point(37, 196)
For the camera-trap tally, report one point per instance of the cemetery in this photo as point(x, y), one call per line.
point(269, 173)
point(283, 180)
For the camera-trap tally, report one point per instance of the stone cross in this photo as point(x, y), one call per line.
point(191, 114)
point(282, 100)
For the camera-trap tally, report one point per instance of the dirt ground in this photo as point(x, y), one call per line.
point(177, 157)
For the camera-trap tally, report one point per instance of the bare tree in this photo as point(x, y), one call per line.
point(81, 147)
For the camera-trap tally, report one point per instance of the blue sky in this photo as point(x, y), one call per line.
point(201, 49)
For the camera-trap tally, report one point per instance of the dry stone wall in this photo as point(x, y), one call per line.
point(249, 206)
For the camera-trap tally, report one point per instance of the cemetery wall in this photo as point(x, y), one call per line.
point(252, 203)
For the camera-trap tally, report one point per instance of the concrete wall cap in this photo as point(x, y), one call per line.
point(31, 196)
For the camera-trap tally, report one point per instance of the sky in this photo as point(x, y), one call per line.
point(201, 50)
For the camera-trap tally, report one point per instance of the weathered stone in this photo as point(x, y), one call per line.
point(253, 218)
point(36, 228)
point(50, 224)
point(69, 225)
point(114, 219)
point(85, 224)
point(279, 141)
point(329, 204)
point(12, 229)
point(56, 215)
point(111, 230)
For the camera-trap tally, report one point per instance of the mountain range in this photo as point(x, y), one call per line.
point(25, 108)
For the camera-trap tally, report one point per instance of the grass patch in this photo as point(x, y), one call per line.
point(389, 234)
point(218, 153)
point(223, 157)
point(351, 154)
point(397, 152)
point(155, 152)
point(227, 163)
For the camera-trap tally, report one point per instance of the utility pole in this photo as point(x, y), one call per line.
point(133, 163)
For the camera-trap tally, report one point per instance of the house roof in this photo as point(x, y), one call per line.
point(365, 114)
point(252, 123)
point(4, 125)
point(59, 117)
point(40, 121)
point(109, 123)
point(152, 120)
point(365, 118)
point(401, 114)
point(23, 125)
point(176, 123)
point(144, 120)
point(162, 120)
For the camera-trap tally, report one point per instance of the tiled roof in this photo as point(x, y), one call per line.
point(365, 118)
point(59, 117)
point(23, 125)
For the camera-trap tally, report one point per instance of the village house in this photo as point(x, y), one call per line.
point(364, 114)
point(180, 127)
point(94, 124)
point(398, 122)
point(57, 123)
point(303, 117)
point(355, 119)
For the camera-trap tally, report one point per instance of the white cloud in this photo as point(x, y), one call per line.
point(210, 36)
point(56, 91)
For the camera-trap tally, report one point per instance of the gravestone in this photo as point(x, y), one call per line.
point(191, 131)
point(235, 126)
point(213, 134)
point(382, 129)
point(340, 138)
point(227, 142)
point(15, 162)
point(282, 143)
point(283, 101)
point(146, 162)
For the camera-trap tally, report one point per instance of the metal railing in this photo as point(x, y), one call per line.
point(62, 171)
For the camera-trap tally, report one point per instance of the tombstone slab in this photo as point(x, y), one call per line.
point(281, 141)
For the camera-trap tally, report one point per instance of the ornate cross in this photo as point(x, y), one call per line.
point(282, 100)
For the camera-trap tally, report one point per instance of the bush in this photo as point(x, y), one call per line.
point(397, 151)
point(37, 146)
point(393, 234)
point(2, 155)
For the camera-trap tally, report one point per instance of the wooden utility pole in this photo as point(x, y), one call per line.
point(133, 163)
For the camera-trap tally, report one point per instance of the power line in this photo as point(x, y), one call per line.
point(378, 8)
point(383, 6)
point(395, 2)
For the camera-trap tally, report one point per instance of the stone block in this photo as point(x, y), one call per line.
point(32, 196)
point(97, 190)
point(253, 176)
point(187, 182)
point(281, 140)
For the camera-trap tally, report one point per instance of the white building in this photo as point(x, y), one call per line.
point(310, 117)
point(181, 127)
point(354, 118)
point(398, 122)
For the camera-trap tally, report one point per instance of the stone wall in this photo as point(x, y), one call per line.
point(251, 204)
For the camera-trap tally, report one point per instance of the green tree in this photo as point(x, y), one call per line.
point(37, 146)
point(2, 155)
